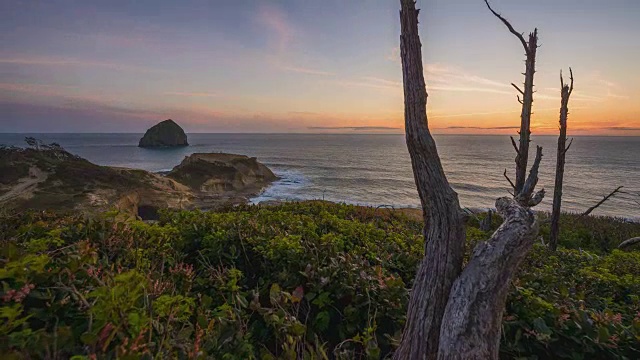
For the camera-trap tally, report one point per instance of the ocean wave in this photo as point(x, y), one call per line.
point(282, 189)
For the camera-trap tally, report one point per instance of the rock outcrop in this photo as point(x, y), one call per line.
point(164, 134)
point(54, 179)
point(50, 178)
point(217, 173)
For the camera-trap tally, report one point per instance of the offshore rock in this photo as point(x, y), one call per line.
point(164, 134)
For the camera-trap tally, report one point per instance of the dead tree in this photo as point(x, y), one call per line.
point(522, 150)
point(604, 199)
point(565, 93)
point(455, 314)
point(444, 230)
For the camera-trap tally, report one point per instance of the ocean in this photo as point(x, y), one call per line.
point(375, 169)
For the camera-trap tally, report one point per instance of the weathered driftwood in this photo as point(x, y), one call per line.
point(613, 193)
point(565, 93)
point(630, 242)
point(444, 221)
point(473, 317)
point(522, 150)
point(480, 290)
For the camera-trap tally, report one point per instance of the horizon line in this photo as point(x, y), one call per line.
point(306, 133)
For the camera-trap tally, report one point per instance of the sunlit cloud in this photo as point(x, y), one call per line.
point(439, 77)
point(623, 128)
point(356, 128)
point(482, 128)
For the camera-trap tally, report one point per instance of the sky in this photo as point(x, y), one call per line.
point(310, 66)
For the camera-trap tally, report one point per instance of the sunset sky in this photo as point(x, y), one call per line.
point(310, 65)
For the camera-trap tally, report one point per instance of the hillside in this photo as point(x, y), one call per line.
point(45, 176)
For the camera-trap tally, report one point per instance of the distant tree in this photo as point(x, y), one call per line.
point(565, 93)
point(456, 313)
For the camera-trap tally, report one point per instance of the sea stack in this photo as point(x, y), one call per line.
point(164, 134)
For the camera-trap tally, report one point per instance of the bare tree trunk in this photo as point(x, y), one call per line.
point(444, 222)
point(454, 315)
point(522, 151)
point(473, 317)
point(565, 93)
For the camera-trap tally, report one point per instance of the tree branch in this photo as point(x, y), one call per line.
point(517, 88)
point(525, 196)
point(515, 146)
point(509, 180)
point(625, 244)
point(511, 29)
point(589, 210)
point(568, 146)
point(571, 87)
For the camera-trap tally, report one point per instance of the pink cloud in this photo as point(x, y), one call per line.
point(276, 22)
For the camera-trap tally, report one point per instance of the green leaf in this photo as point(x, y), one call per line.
point(274, 294)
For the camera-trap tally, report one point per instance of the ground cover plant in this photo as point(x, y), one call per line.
point(311, 280)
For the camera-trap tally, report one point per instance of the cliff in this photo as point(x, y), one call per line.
point(50, 178)
point(222, 173)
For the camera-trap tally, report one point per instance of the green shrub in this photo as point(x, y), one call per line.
point(310, 280)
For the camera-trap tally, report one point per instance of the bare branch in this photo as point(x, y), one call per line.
point(525, 196)
point(589, 210)
point(571, 87)
point(519, 100)
point(568, 146)
point(515, 146)
point(517, 88)
point(509, 180)
point(511, 29)
point(625, 244)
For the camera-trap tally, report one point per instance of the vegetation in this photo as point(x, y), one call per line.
point(310, 280)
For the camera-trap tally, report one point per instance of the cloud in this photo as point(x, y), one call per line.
point(69, 93)
point(74, 63)
point(305, 70)
point(192, 94)
point(356, 128)
point(482, 128)
point(377, 80)
point(439, 77)
point(468, 89)
point(623, 128)
point(394, 55)
point(281, 32)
